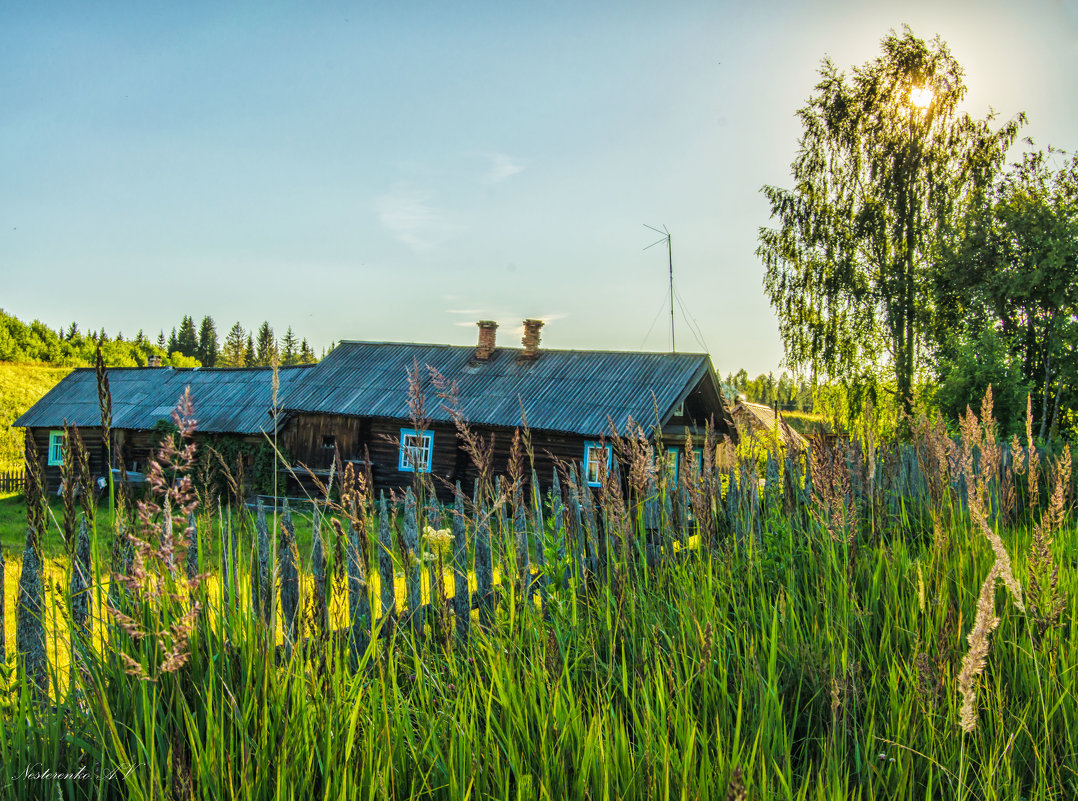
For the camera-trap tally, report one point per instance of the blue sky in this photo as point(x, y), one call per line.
point(396, 171)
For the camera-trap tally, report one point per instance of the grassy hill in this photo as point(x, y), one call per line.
point(21, 385)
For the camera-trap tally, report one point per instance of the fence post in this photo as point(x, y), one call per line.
point(462, 597)
point(385, 563)
point(226, 549)
point(30, 620)
point(540, 547)
point(484, 568)
point(3, 617)
point(359, 602)
point(264, 589)
point(413, 562)
point(318, 570)
point(520, 531)
point(288, 559)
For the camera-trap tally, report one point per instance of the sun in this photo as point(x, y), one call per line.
point(921, 96)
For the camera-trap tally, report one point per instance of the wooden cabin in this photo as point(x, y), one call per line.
point(357, 401)
point(226, 401)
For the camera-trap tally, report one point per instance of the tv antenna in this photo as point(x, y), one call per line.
point(668, 239)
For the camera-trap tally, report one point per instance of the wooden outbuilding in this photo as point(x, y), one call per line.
point(762, 421)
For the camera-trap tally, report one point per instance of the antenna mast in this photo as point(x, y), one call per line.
point(668, 239)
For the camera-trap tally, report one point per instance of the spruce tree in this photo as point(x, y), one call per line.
point(306, 355)
point(207, 342)
point(173, 343)
point(267, 345)
point(161, 339)
point(289, 353)
point(234, 353)
point(187, 338)
point(249, 353)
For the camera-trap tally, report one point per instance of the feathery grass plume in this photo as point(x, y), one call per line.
point(32, 663)
point(990, 448)
point(975, 660)
point(1003, 568)
point(82, 459)
point(104, 402)
point(1046, 601)
point(1033, 460)
point(158, 595)
point(288, 570)
point(735, 790)
point(34, 492)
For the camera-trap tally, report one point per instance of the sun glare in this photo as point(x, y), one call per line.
point(920, 96)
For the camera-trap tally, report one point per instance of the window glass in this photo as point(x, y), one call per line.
point(416, 450)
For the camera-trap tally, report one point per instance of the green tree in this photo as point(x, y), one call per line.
point(289, 348)
point(187, 338)
point(249, 354)
point(306, 355)
point(234, 352)
point(1012, 269)
point(884, 163)
point(266, 346)
point(207, 342)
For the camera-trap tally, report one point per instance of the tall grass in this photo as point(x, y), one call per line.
point(814, 656)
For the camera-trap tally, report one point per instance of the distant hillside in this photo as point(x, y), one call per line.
point(21, 385)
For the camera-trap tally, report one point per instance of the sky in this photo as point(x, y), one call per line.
point(397, 171)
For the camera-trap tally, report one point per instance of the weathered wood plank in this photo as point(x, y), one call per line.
point(288, 568)
point(413, 561)
point(462, 596)
point(385, 562)
point(359, 602)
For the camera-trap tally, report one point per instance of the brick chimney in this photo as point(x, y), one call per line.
point(530, 340)
point(153, 360)
point(487, 330)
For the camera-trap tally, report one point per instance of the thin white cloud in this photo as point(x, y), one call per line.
point(502, 167)
point(409, 216)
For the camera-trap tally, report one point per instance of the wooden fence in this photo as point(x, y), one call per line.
point(566, 539)
point(12, 479)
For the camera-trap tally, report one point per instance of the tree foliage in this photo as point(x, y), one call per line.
point(884, 163)
point(1008, 290)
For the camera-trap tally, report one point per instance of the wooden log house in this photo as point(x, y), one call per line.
point(356, 403)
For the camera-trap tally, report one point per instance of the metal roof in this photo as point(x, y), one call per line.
point(225, 400)
point(572, 391)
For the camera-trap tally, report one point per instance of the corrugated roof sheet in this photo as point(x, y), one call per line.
point(571, 391)
point(226, 400)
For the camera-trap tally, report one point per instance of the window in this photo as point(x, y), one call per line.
point(679, 410)
point(417, 448)
point(698, 455)
point(329, 441)
point(596, 454)
point(56, 448)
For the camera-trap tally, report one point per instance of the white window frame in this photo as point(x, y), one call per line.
point(425, 451)
point(698, 457)
point(596, 446)
point(56, 448)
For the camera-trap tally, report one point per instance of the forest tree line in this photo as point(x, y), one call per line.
point(185, 346)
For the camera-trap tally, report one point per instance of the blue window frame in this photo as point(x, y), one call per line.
point(698, 456)
point(416, 451)
point(56, 448)
point(595, 454)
